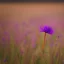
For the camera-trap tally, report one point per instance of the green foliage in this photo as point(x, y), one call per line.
point(38, 61)
point(14, 53)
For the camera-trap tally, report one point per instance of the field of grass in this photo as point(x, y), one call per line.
point(11, 53)
point(17, 20)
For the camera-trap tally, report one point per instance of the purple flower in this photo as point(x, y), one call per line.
point(46, 29)
point(5, 60)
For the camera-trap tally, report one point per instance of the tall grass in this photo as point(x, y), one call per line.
point(12, 54)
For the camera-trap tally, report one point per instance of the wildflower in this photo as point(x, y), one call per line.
point(5, 60)
point(46, 29)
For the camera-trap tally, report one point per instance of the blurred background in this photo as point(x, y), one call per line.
point(21, 19)
point(18, 19)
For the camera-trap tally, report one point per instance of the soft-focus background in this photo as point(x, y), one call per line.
point(24, 19)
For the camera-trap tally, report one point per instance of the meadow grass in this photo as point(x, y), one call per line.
point(11, 53)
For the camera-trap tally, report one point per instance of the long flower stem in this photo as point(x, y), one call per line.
point(44, 41)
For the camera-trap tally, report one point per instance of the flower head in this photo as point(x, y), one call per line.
point(46, 29)
point(5, 60)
